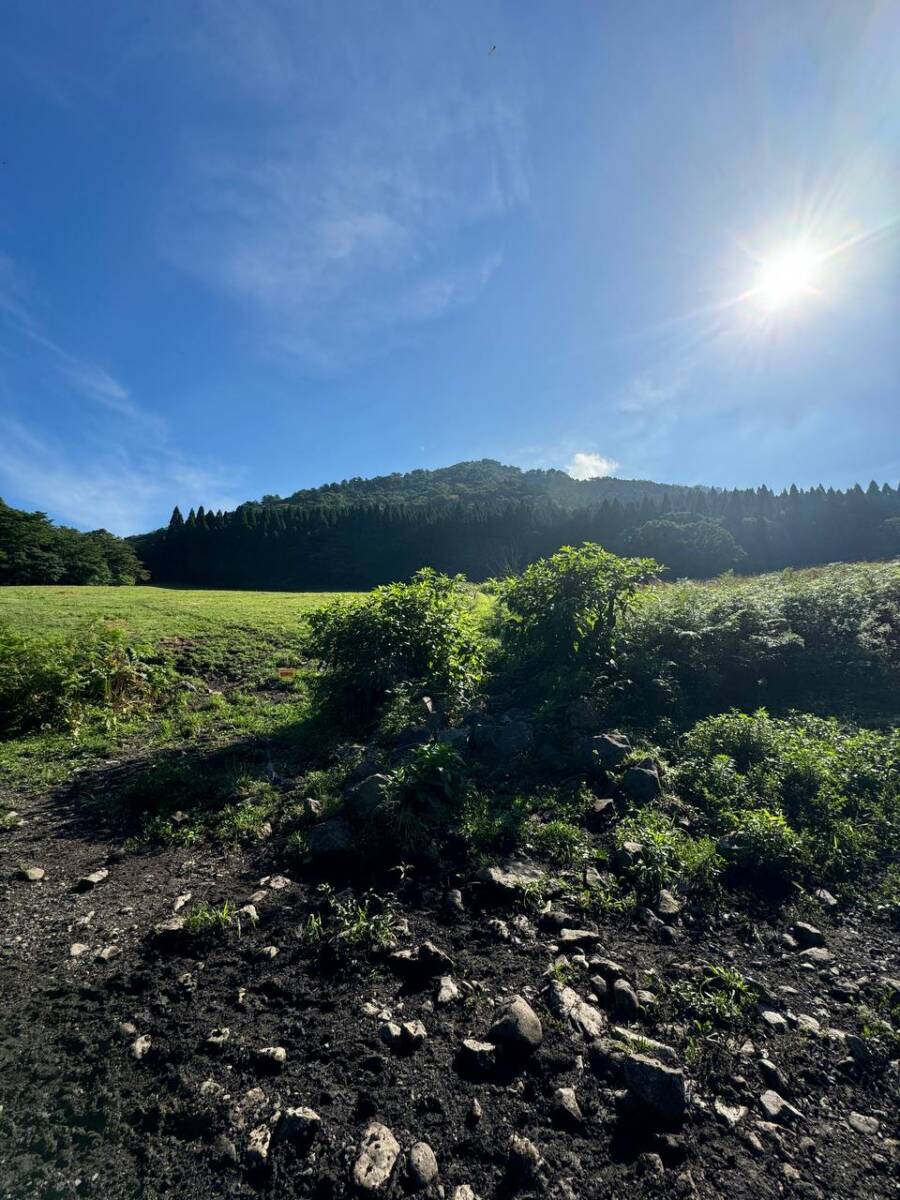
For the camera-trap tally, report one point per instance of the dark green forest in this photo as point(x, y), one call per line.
point(483, 519)
point(32, 550)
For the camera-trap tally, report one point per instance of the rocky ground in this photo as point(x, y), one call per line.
point(501, 1046)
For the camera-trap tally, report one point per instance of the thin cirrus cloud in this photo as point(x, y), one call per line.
point(385, 216)
point(118, 482)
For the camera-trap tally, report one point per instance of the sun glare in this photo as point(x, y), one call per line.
point(787, 277)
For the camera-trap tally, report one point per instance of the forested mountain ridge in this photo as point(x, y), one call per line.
point(474, 482)
point(484, 519)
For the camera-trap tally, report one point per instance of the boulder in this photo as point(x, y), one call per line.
point(609, 750)
point(641, 784)
point(423, 1167)
point(479, 1057)
point(807, 935)
point(300, 1125)
point(377, 1156)
point(625, 1001)
point(776, 1108)
point(566, 1005)
point(518, 1028)
point(330, 840)
point(656, 1086)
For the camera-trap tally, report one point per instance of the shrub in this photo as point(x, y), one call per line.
point(763, 843)
point(59, 683)
point(564, 608)
point(670, 857)
point(420, 635)
point(559, 841)
point(423, 800)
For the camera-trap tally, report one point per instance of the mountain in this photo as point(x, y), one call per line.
point(475, 482)
point(483, 519)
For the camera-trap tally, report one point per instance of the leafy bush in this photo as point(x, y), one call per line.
point(671, 857)
point(59, 683)
point(801, 796)
point(419, 635)
point(826, 638)
point(564, 608)
point(344, 928)
point(559, 841)
point(423, 800)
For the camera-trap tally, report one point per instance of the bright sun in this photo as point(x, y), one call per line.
point(787, 277)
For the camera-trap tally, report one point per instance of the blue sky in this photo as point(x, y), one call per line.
point(248, 246)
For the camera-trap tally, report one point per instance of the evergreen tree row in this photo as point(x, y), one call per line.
point(696, 532)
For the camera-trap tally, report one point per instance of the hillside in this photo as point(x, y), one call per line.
point(512, 896)
point(484, 519)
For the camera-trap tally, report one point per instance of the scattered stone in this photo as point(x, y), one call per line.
point(423, 1167)
point(731, 1114)
point(412, 1035)
point(108, 953)
point(463, 1191)
point(447, 991)
point(862, 1124)
point(300, 1125)
point(477, 1056)
point(566, 1109)
point(600, 814)
point(625, 1001)
point(808, 1024)
point(807, 935)
point(77, 949)
point(859, 1049)
point(499, 929)
point(657, 1086)
point(568, 939)
point(774, 1021)
point(637, 1043)
point(330, 840)
point(218, 1037)
point(169, 932)
point(566, 1005)
point(88, 882)
point(825, 898)
point(779, 1110)
point(819, 956)
point(378, 1153)
point(390, 1034)
point(453, 905)
point(609, 750)
point(224, 1150)
point(141, 1046)
point(651, 1164)
point(209, 1088)
point(476, 1112)
point(258, 1144)
point(271, 1058)
point(628, 854)
point(267, 952)
point(518, 1027)
point(524, 1157)
point(180, 901)
point(611, 971)
point(425, 960)
point(774, 1077)
point(32, 874)
point(668, 906)
point(249, 912)
point(511, 879)
point(278, 883)
point(641, 784)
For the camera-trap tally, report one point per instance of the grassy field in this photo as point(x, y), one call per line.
point(153, 613)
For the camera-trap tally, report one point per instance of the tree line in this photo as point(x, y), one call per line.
point(33, 550)
point(696, 532)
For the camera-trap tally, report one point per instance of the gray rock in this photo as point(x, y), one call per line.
point(668, 906)
point(566, 1005)
point(773, 1021)
point(258, 1144)
point(271, 1058)
point(224, 1150)
point(378, 1154)
point(774, 1077)
point(625, 1001)
point(628, 854)
point(330, 840)
point(568, 939)
point(362, 800)
point(776, 1108)
point(448, 990)
point(77, 949)
point(859, 1049)
point(636, 1043)
point(32, 874)
point(731, 1114)
point(609, 750)
point(480, 1057)
point(423, 1167)
point(512, 879)
point(170, 932)
point(658, 1087)
point(517, 1028)
point(525, 1159)
point(825, 898)
point(453, 904)
point(88, 882)
point(807, 935)
point(141, 1046)
point(611, 971)
point(390, 1034)
point(412, 1035)
point(301, 1125)
point(862, 1124)
point(641, 784)
point(817, 955)
point(566, 1109)
point(463, 1191)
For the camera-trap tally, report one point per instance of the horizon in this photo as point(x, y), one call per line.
point(260, 247)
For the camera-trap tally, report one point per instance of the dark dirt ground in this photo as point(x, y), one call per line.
point(81, 1116)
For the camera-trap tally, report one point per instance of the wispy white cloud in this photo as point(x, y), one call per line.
point(120, 489)
point(586, 465)
point(652, 390)
point(391, 220)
